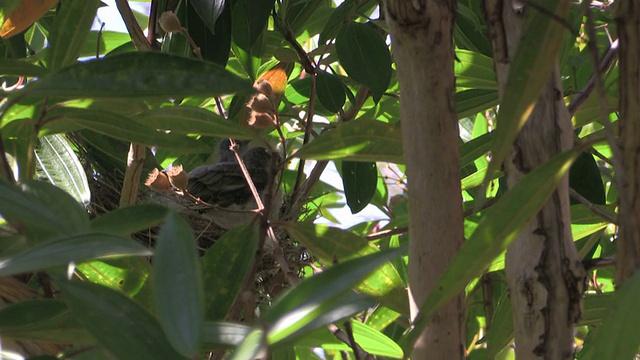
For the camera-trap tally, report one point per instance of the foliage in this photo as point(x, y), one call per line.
point(74, 97)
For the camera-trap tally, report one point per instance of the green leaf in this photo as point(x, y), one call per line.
point(120, 324)
point(59, 164)
point(43, 206)
point(472, 101)
point(219, 334)
point(375, 342)
point(474, 70)
point(299, 13)
point(584, 178)
point(70, 28)
point(330, 244)
point(297, 307)
point(128, 274)
point(138, 75)
point(340, 16)
point(225, 267)
point(77, 248)
point(298, 323)
point(543, 35)
point(359, 180)
point(192, 120)
point(30, 312)
point(360, 140)
point(209, 11)
point(20, 68)
point(129, 219)
point(178, 284)
point(330, 91)
point(365, 57)
point(500, 225)
point(252, 345)
point(123, 128)
point(609, 341)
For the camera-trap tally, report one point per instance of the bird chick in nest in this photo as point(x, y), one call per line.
point(220, 192)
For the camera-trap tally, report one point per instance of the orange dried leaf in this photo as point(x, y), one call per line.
point(25, 14)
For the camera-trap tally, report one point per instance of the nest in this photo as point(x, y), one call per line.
point(278, 265)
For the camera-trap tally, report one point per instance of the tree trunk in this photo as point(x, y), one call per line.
point(421, 35)
point(543, 269)
point(628, 252)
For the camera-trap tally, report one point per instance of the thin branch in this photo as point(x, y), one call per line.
point(602, 102)
point(385, 233)
point(345, 338)
point(307, 131)
point(605, 64)
point(592, 207)
point(137, 152)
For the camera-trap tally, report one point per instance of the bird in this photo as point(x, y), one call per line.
point(223, 184)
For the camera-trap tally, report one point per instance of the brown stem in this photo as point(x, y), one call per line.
point(605, 64)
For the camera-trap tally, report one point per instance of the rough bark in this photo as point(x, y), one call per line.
point(628, 252)
point(421, 35)
point(544, 273)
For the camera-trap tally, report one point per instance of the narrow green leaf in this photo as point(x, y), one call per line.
point(59, 164)
point(500, 225)
point(360, 140)
point(209, 11)
point(299, 13)
point(193, 120)
point(127, 274)
point(29, 313)
point(619, 335)
point(129, 219)
point(304, 320)
point(178, 285)
point(20, 68)
point(365, 57)
point(43, 206)
point(123, 128)
point(253, 344)
point(297, 307)
point(120, 324)
point(375, 342)
point(330, 244)
point(141, 75)
point(359, 180)
point(77, 248)
point(472, 101)
point(225, 267)
point(330, 91)
point(219, 334)
point(529, 72)
point(70, 28)
point(340, 16)
point(474, 70)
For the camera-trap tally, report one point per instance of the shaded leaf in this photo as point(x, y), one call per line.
point(70, 28)
point(193, 120)
point(330, 91)
point(178, 285)
point(331, 245)
point(297, 307)
point(77, 248)
point(361, 140)
point(359, 180)
point(129, 219)
point(122, 326)
point(139, 74)
point(209, 11)
point(219, 334)
point(365, 57)
point(225, 267)
point(20, 68)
